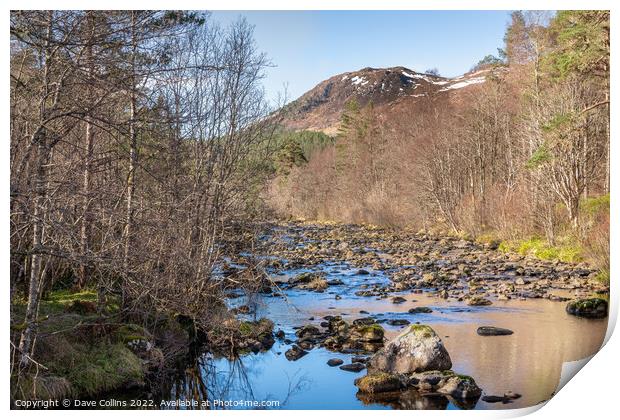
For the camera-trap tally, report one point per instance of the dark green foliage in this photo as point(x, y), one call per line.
point(488, 61)
point(296, 148)
point(582, 38)
point(540, 156)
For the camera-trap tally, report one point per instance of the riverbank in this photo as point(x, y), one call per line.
point(328, 297)
point(80, 354)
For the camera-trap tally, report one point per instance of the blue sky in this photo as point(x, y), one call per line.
point(310, 46)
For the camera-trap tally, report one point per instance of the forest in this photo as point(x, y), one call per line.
point(527, 162)
point(146, 165)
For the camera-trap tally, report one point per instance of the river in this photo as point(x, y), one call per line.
point(528, 362)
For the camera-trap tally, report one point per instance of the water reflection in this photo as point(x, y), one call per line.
point(528, 362)
point(217, 381)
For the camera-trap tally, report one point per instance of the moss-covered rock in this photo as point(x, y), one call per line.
point(445, 382)
point(588, 308)
point(370, 333)
point(379, 382)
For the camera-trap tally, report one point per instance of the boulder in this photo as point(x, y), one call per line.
point(295, 353)
point(398, 322)
point(307, 331)
point(488, 331)
point(353, 367)
point(364, 321)
point(417, 349)
point(493, 398)
point(318, 284)
point(460, 387)
point(335, 282)
point(420, 310)
point(335, 362)
point(379, 382)
point(429, 277)
point(478, 301)
point(505, 399)
point(243, 309)
point(303, 278)
point(369, 333)
point(588, 308)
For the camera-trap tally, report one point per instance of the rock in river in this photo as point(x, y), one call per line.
point(420, 310)
point(368, 333)
point(588, 308)
point(335, 362)
point(307, 331)
point(486, 331)
point(353, 367)
point(398, 322)
point(379, 382)
point(417, 349)
point(461, 387)
point(295, 353)
point(506, 398)
point(478, 301)
point(493, 398)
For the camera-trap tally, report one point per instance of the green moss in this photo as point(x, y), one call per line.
point(569, 251)
point(603, 277)
point(378, 382)
point(589, 304)
point(372, 328)
point(594, 205)
point(83, 356)
point(129, 332)
point(66, 295)
point(465, 377)
point(257, 328)
point(100, 369)
point(246, 328)
point(81, 369)
point(488, 238)
point(423, 330)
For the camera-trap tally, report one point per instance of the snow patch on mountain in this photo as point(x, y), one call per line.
point(465, 83)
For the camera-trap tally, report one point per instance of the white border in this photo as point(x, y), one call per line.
point(590, 395)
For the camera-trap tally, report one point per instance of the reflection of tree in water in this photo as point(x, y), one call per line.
point(204, 380)
point(413, 400)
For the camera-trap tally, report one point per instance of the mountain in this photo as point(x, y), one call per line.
point(389, 90)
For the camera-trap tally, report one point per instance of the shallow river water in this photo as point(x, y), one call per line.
point(528, 362)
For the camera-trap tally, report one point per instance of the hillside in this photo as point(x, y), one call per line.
point(387, 89)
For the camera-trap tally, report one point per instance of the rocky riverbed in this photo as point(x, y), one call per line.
point(338, 295)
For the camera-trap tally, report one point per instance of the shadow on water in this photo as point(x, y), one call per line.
point(225, 383)
point(413, 400)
